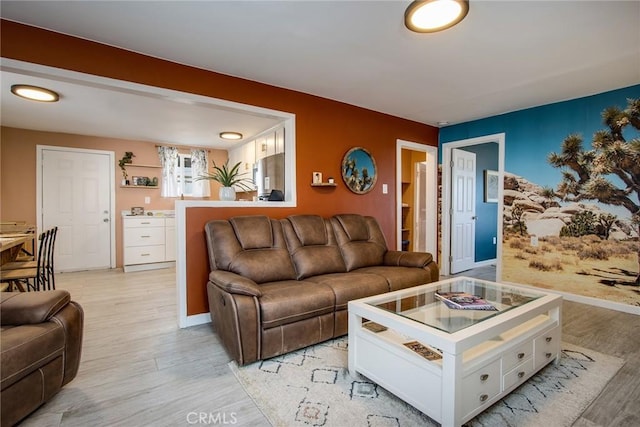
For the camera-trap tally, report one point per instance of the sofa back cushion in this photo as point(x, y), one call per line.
point(252, 246)
point(312, 246)
point(360, 240)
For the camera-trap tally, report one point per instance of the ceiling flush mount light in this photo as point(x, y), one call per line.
point(35, 93)
point(230, 135)
point(429, 16)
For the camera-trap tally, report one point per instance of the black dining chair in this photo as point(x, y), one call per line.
point(38, 274)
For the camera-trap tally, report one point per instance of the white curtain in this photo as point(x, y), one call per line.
point(199, 162)
point(169, 161)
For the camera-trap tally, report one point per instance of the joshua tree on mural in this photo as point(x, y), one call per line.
point(586, 171)
point(517, 222)
point(607, 222)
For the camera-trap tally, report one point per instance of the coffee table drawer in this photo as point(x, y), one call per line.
point(546, 347)
point(518, 374)
point(513, 358)
point(480, 386)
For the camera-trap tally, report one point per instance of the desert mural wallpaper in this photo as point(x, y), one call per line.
point(571, 215)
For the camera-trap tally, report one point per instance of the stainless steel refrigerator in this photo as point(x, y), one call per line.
point(269, 175)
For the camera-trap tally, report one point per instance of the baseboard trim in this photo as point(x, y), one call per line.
point(151, 266)
point(195, 320)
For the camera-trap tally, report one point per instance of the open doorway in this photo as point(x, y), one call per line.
point(416, 197)
point(488, 152)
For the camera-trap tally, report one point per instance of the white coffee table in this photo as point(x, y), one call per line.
point(481, 356)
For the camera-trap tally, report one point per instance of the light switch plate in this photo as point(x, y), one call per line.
point(147, 200)
point(385, 189)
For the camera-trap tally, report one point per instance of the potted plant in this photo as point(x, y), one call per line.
point(126, 159)
point(228, 178)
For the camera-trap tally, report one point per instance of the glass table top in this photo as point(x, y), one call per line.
point(457, 303)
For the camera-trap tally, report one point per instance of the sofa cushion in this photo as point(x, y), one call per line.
point(352, 285)
point(360, 240)
point(290, 301)
point(354, 227)
point(399, 277)
point(263, 265)
point(253, 232)
point(251, 246)
point(310, 238)
point(309, 229)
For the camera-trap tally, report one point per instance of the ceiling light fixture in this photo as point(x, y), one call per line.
point(35, 93)
point(429, 16)
point(231, 135)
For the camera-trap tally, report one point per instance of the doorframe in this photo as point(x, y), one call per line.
point(447, 147)
point(112, 192)
point(431, 191)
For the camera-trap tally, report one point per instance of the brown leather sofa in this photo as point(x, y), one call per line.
point(279, 285)
point(41, 338)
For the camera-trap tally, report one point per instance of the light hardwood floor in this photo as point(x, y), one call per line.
point(139, 369)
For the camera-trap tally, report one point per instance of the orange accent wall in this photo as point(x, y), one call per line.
point(325, 131)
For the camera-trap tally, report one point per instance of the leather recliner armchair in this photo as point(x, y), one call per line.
point(41, 339)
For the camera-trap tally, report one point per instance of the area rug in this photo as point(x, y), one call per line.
point(313, 387)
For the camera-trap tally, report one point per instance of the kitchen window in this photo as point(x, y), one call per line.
point(184, 175)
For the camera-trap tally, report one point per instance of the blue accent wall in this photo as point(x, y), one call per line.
point(531, 134)
point(486, 213)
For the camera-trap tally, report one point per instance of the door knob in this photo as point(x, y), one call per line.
point(105, 220)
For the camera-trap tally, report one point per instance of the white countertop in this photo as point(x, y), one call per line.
point(152, 213)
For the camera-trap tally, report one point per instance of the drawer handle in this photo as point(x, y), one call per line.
point(145, 254)
point(484, 377)
point(145, 222)
point(484, 397)
point(145, 236)
point(520, 374)
point(548, 355)
point(548, 339)
point(520, 355)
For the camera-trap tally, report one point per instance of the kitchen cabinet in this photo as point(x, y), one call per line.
point(149, 242)
point(245, 155)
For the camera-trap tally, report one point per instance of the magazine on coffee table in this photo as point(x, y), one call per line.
point(424, 351)
point(464, 301)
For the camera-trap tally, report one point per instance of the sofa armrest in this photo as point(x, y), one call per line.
point(407, 259)
point(234, 283)
point(22, 308)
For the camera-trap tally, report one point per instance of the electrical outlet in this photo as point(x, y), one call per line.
point(534, 240)
point(385, 188)
point(147, 200)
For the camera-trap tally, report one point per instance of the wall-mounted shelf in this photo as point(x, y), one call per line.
point(139, 186)
point(135, 165)
point(323, 184)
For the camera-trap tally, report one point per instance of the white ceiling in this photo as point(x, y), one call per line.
point(504, 56)
point(107, 108)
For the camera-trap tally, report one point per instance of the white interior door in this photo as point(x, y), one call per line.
point(75, 193)
point(463, 210)
point(420, 212)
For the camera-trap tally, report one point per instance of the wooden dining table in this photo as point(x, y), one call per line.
point(11, 244)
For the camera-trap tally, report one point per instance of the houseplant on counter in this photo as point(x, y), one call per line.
point(228, 178)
